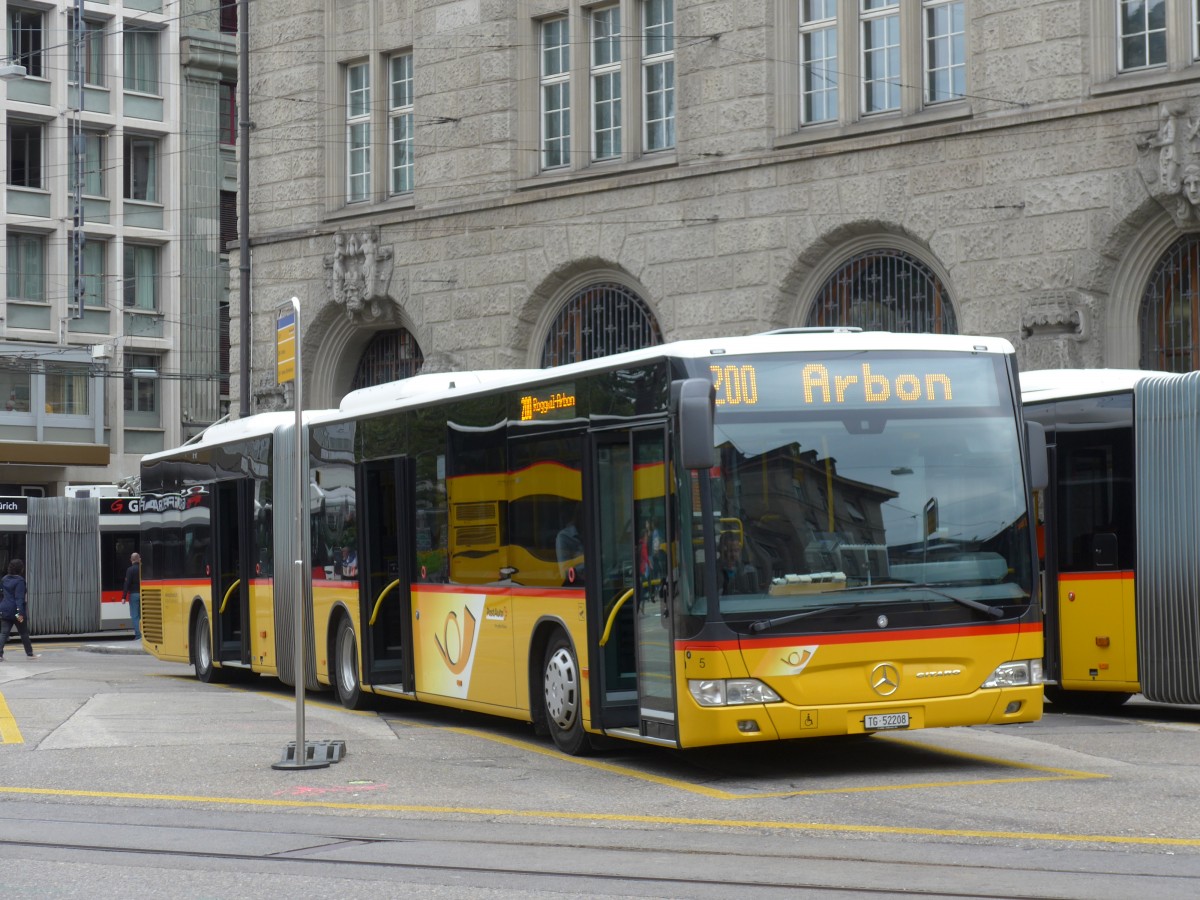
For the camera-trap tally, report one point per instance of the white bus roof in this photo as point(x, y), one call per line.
point(258, 425)
point(1041, 385)
point(432, 387)
point(426, 389)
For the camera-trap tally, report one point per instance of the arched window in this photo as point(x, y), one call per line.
point(1168, 316)
point(390, 356)
point(884, 290)
point(599, 320)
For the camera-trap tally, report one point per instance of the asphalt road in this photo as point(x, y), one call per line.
point(124, 777)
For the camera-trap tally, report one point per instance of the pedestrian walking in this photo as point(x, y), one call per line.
point(13, 609)
point(133, 593)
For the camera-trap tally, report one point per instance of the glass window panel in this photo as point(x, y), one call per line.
point(141, 168)
point(556, 51)
point(658, 26)
point(92, 43)
point(25, 154)
point(26, 277)
point(93, 273)
point(26, 40)
point(67, 390)
point(606, 36)
point(141, 60)
point(141, 276)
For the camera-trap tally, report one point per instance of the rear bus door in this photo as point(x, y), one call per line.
point(232, 570)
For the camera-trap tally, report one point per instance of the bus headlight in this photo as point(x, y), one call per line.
point(731, 692)
point(1015, 674)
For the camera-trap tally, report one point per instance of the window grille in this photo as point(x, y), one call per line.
point(390, 356)
point(1169, 310)
point(600, 320)
point(884, 290)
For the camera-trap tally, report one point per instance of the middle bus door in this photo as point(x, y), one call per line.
point(231, 575)
point(385, 569)
point(630, 634)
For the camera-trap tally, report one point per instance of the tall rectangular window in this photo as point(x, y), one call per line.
point(880, 29)
point(606, 82)
point(227, 113)
point(556, 93)
point(141, 168)
point(1142, 33)
point(400, 115)
point(658, 73)
point(26, 278)
point(140, 389)
point(140, 276)
point(358, 133)
point(93, 165)
point(91, 42)
point(93, 272)
point(24, 154)
point(228, 16)
point(27, 39)
point(945, 51)
point(141, 60)
point(818, 61)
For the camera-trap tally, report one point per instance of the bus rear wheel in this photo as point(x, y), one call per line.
point(202, 648)
point(345, 667)
point(562, 697)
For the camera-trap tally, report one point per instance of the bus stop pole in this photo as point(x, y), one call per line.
point(288, 329)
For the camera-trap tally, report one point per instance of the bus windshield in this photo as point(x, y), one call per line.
point(877, 486)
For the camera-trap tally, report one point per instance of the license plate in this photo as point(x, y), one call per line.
point(885, 721)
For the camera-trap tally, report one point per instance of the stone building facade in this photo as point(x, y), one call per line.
point(469, 175)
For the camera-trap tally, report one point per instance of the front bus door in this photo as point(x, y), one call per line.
point(630, 633)
point(231, 573)
point(385, 571)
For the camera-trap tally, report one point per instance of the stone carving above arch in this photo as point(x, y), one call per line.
point(358, 276)
point(1055, 330)
point(1169, 161)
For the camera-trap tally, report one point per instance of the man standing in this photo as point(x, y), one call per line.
point(133, 593)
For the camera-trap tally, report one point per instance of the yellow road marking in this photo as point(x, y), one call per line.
point(9, 731)
point(1049, 774)
point(614, 817)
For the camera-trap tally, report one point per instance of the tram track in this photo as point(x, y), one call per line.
point(601, 867)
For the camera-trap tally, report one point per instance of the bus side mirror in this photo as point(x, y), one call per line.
point(1039, 467)
point(694, 400)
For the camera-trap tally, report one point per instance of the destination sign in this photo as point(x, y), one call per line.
point(552, 403)
point(855, 382)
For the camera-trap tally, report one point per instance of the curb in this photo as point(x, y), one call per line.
point(128, 648)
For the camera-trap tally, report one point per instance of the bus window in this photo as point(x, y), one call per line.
point(1095, 528)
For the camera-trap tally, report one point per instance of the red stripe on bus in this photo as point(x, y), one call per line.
point(1115, 575)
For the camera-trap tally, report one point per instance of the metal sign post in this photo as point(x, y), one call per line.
point(300, 755)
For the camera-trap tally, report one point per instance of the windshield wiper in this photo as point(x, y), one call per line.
point(763, 624)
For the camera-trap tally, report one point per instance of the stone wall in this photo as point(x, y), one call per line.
point(1031, 199)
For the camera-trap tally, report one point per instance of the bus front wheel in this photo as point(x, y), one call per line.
point(202, 648)
point(345, 667)
point(562, 696)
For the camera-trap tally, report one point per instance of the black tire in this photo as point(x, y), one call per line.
point(345, 667)
point(202, 648)
point(1085, 701)
point(562, 697)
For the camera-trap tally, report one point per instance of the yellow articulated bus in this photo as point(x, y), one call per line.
point(712, 542)
point(1121, 534)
